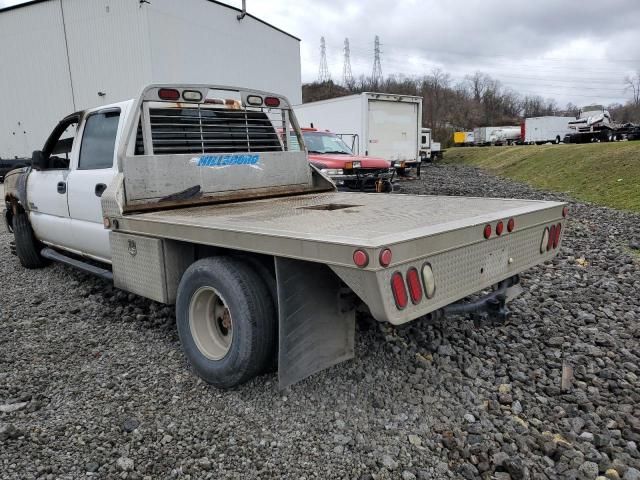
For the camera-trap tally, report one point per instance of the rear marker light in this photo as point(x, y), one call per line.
point(565, 212)
point(556, 240)
point(399, 290)
point(254, 100)
point(360, 258)
point(429, 280)
point(545, 240)
point(487, 231)
point(272, 102)
point(499, 228)
point(415, 287)
point(511, 224)
point(192, 96)
point(385, 257)
point(552, 235)
point(170, 94)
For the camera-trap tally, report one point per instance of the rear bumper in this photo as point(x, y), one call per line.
point(459, 272)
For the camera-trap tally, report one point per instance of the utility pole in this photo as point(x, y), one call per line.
point(347, 76)
point(376, 76)
point(323, 71)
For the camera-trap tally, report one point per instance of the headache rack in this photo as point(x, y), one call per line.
point(194, 144)
point(215, 125)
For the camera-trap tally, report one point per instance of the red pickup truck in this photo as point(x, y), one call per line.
point(329, 153)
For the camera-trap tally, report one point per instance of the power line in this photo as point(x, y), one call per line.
point(323, 71)
point(347, 76)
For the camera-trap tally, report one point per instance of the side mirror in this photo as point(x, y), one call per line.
point(38, 160)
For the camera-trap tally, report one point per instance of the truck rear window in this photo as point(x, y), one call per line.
point(209, 130)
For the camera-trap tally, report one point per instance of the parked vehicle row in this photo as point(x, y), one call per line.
point(592, 124)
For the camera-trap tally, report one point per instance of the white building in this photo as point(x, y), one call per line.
point(60, 56)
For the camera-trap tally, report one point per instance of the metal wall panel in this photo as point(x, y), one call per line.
point(203, 42)
point(108, 50)
point(34, 77)
point(116, 48)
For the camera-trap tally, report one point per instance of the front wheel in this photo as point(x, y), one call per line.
point(27, 246)
point(226, 321)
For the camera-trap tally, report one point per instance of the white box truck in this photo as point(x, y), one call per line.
point(546, 129)
point(375, 124)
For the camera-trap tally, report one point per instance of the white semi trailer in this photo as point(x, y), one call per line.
point(377, 124)
point(546, 129)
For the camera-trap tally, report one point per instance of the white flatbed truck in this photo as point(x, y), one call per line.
point(188, 196)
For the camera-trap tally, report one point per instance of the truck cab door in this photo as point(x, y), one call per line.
point(47, 186)
point(94, 169)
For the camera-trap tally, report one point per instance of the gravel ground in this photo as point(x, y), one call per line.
point(93, 383)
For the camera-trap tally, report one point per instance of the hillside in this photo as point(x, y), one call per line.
point(604, 173)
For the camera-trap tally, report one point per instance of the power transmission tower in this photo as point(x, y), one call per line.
point(323, 71)
point(376, 76)
point(347, 76)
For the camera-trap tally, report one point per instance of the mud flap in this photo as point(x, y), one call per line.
point(315, 331)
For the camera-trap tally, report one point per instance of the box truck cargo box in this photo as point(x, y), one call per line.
point(546, 129)
point(375, 124)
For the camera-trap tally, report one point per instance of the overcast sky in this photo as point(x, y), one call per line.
point(566, 50)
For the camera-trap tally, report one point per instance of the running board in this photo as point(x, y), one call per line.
point(79, 264)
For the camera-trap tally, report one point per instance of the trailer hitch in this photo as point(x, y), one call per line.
point(492, 308)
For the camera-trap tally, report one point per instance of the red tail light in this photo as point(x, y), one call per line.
point(565, 212)
point(415, 287)
point(360, 258)
point(552, 236)
point(169, 94)
point(499, 228)
point(399, 290)
point(272, 101)
point(385, 257)
point(487, 231)
point(556, 239)
point(511, 224)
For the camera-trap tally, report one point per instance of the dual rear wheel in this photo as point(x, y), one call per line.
point(226, 319)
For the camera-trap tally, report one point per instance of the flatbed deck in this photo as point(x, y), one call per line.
point(319, 226)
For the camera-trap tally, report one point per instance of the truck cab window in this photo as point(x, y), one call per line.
point(99, 140)
point(59, 156)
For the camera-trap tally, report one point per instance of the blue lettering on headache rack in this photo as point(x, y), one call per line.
point(224, 160)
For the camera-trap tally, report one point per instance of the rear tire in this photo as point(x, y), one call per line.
point(27, 246)
point(226, 321)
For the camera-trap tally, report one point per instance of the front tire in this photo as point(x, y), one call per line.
point(226, 321)
point(27, 246)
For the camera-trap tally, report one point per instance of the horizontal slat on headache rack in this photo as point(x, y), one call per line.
point(203, 130)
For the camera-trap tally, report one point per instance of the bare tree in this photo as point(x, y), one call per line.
point(633, 84)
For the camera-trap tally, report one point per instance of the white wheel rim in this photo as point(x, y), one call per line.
point(210, 323)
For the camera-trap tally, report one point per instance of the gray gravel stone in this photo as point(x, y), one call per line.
point(88, 359)
point(632, 474)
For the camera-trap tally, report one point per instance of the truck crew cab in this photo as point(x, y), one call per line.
point(187, 195)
